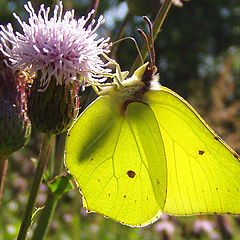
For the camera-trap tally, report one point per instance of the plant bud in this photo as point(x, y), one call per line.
point(53, 110)
point(15, 127)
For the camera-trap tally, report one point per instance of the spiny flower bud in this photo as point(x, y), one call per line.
point(52, 111)
point(15, 127)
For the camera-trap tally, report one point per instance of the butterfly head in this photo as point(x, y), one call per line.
point(150, 78)
point(145, 78)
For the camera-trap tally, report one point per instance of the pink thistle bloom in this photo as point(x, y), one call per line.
point(177, 3)
point(60, 46)
point(206, 226)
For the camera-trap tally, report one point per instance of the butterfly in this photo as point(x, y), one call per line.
point(140, 150)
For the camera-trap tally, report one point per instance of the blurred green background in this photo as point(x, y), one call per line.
point(197, 55)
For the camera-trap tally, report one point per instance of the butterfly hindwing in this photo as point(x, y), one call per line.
point(203, 172)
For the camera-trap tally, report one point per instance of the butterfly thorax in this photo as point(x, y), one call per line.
point(143, 80)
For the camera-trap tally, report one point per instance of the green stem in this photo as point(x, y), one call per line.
point(52, 199)
point(42, 163)
point(93, 5)
point(47, 213)
point(162, 13)
point(45, 217)
point(120, 34)
point(59, 153)
point(3, 172)
point(50, 168)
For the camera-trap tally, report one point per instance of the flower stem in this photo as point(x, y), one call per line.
point(158, 22)
point(93, 5)
point(120, 34)
point(3, 172)
point(51, 203)
point(59, 153)
point(45, 217)
point(52, 199)
point(42, 163)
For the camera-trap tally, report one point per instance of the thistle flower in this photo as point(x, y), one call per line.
point(206, 226)
point(59, 47)
point(177, 3)
point(64, 53)
point(165, 227)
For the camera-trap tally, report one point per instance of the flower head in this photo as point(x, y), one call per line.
point(61, 46)
point(177, 3)
point(206, 226)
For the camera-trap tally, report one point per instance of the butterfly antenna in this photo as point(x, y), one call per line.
point(144, 36)
point(138, 50)
point(147, 20)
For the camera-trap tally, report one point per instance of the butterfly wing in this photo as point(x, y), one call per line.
point(203, 172)
point(114, 159)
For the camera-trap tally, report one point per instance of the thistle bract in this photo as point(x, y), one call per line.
point(53, 110)
point(15, 127)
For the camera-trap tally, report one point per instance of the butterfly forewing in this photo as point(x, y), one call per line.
point(114, 159)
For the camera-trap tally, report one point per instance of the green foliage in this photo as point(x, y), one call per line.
point(60, 184)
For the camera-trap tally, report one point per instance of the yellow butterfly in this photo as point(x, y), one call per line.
point(140, 150)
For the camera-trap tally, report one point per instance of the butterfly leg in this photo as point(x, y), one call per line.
point(98, 88)
point(119, 75)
